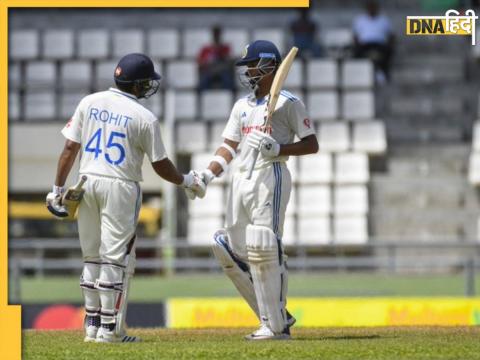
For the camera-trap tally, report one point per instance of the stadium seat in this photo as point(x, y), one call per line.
point(14, 75)
point(289, 236)
point(357, 74)
point(476, 136)
point(94, 44)
point(40, 105)
point(13, 106)
point(237, 39)
point(163, 43)
point(322, 74)
point(358, 105)
point(323, 105)
point(351, 168)
point(40, 74)
point(216, 130)
point(474, 168)
point(212, 205)
point(314, 230)
point(186, 105)
point(68, 103)
point(370, 137)
point(127, 41)
point(350, 200)
point(334, 136)
point(336, 40)
point(314, 200)
point(272, 34)
point(315, 169)
point(201, 229)
point(182, 74)
point(104, 74)
point(194, 39)
point(58, 44)
point(216, 104)
point(191, 137)
point(154, 104)
point(23, 44)
point(294, 80)
point(76, 75)
point(351, 230)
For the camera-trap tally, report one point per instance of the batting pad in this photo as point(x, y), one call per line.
point(266, 269)
point(235, 269)
point(90, 273)
point(109, 283)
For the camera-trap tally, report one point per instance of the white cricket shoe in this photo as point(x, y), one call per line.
point(264, 333)
point(109, 336)
point(90, 333)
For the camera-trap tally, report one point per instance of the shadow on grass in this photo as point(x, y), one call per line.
point(341, 337)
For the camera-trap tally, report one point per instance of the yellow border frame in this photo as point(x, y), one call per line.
point(10, 316)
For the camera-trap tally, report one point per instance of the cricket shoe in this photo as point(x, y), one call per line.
point(92, 324)
point(290, 320)
point(105, 335)
point(264, 333)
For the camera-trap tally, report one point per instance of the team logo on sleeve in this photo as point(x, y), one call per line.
point(306, 122)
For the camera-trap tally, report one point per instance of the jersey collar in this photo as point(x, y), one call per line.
point(256, 102)
point(123, 93)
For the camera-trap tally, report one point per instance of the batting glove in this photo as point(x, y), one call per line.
point(194, 185)
point(268, 146)
point(54, 202)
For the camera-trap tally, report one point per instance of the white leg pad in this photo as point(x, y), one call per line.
point(237, 270)
point(90, 273)
point(109, 284)
point(122, 300)
point(266, 262)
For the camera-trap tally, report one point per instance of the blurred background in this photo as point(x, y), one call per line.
point(389, 207)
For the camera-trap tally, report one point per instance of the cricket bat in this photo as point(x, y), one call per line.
point(275, 89)
point(72, 197)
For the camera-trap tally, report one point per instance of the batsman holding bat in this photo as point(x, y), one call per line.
point(112, 132)
point(250, 248)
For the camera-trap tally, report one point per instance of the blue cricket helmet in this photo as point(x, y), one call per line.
point(259, 49)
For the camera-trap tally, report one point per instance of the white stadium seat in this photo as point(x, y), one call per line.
point(212, 204)
point(75, 75)
point(40, 105)
point(14, 75)
point(13, 106)
point(323, 105)
point(357, 74)
point(191, 137)
point(351, 168)
point(182, 74)
point(322, 74)
point(68, 103)
point(315, 169)
point(216, 130)
point(476, 136)
point(358, 105)
point(314, 200)
point(23, 44)
point(314, 230)
point(201, 229)
point(58, 44)
point(127, 41)
point(350, 230)
point(216, 104)
point(334, 136)
point(294, 80)
point(163, 43)
point(474, 168)
point(186, 105)
point(104, 71)
point(337, 38)
point(194, 39)
point(350, 200)
point(40, 74)
point(94, 44)
point(370, 137)
point(271, 34)
point(237, 39)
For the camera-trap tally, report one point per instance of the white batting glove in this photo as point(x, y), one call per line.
point(207, 176)
point(268, 146)
point(194, 185)
point(53, 202)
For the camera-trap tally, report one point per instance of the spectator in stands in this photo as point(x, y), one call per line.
point(374, 39)
point(304, 31)
point(215, 65)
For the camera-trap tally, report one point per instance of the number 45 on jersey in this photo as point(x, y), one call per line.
point(114, 152)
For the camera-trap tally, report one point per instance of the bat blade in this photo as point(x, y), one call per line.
point(72, 197)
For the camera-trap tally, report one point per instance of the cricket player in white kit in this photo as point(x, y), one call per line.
point(250, 247)
point(113, 131)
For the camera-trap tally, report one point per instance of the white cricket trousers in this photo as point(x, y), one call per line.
point(261, 201)
point(107, 218)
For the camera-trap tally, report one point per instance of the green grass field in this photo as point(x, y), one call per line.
point(155, 288)
point(319, 343)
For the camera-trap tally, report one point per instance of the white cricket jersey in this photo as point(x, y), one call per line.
point(289, 119)
point(115, 131)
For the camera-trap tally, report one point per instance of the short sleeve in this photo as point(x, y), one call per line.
point(73, 129)
point(233, 129)
point(152, 142)
point(299, 120)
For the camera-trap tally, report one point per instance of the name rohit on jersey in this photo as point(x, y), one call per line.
point(108, 117)
point(248, 129)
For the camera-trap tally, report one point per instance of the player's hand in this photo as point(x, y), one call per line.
point(54, 202)
point(207, 176)
point(194, 185)
point(268, 146)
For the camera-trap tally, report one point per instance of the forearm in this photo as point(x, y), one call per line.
point(167, 171)
point(65, 162)
point(307, 145)
point(226, 153)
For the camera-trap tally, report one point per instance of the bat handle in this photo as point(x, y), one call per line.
point(252, 164)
